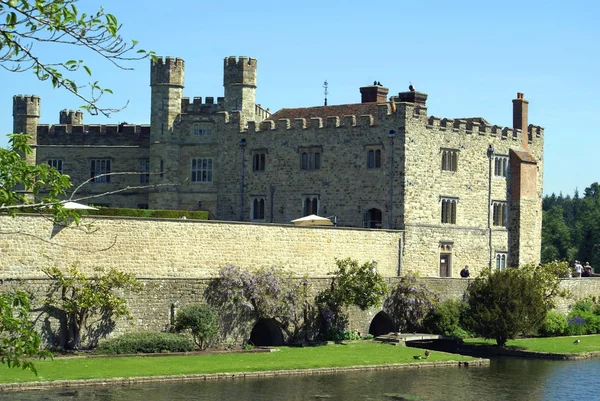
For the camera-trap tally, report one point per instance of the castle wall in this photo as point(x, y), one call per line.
point(151, 309)
point(77, 164)
point(186, 248)
point(343, 185)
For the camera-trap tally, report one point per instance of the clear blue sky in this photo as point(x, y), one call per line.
point(471, 57)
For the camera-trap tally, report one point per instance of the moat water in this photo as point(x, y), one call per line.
point(505, 379)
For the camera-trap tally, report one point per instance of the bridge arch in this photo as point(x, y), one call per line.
point(266, 332)
point(381, 324)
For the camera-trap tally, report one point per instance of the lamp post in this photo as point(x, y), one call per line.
point(242, 144)
point(490, 155)
point(391, 135)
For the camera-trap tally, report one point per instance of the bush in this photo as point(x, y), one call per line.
point(201, 321)
point(159, 214)
point(151, 342)
point(409, 301)
point(505, 303)
point(583, 322)
point(337, 335)
point(445, 319)
point(554, 324)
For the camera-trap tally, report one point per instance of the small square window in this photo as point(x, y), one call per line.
point(449, 159)
point(258, 162)
point(374, 158)
point(501, 166)
point(202, 170)
point(448, 210)
point(57, 164)
point(100, 170)
point(499, 214)
point(501, 260)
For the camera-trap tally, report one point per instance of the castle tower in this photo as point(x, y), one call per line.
point(71, 117)
point(166, 82)
point(239, 80)
point(26, 116)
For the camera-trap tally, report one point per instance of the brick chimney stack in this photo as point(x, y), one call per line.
point(520, 118)
point(374, 93)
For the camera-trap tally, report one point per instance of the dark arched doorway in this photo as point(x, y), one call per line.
point(266, 332)
point(381, 324)
point(373, 218)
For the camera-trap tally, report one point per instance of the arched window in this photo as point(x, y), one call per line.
point(258, 209)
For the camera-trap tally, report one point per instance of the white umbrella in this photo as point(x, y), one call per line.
point(312, 220)
point(78, 206)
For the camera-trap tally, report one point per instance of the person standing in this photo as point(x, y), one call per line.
point(578, 268)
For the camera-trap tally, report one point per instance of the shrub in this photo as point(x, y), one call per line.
point(351, 284)
point(164, 214)
point(337, 335)
point(445, 319)
point(150, 342)
point(201, 321)
point(409, 302)
point(583, 322)
point(554, 324)
point(504, 303)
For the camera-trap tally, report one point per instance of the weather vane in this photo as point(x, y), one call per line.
point(325, 85)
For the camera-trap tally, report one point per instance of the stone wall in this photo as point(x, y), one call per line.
point(154, 307)
point(186, 248)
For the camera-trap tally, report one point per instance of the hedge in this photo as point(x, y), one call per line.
point(163, 214)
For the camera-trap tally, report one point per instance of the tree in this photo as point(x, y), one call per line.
point(89, 304)
point(508, 302)
point(266, 293)
point(19, 342)
point(201, 321)
point(351, 285)
point(60, 26)
point(409, 302)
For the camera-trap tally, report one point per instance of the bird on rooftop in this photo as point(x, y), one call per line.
point(576, 341)
point(427, 353)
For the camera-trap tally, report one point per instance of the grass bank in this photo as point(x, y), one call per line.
point(286, 358)
point(553, 345)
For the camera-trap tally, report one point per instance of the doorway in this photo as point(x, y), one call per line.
point(445, 265)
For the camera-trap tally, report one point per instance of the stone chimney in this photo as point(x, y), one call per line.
point(412, 96)
point(520, 118)
point(375, 93)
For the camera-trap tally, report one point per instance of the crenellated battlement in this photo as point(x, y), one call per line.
point(70, 117)
point(285, 124)
point(94, 134)
point(167, 71)
point(196, 106)
point(239, 70)
point(26, 105)
point(476, 126)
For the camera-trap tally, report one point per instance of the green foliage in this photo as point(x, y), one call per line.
point(549, 276)
point(201, 321)
point(571, 227)
point(40, 185)
point(164, 214)
point(504, 303)
point(56, 26)
point(584, 317)
point(266, 293)
point(445, 319)
point(554, 324)
point(337, 335)
point(90, 304)
point(151, 342)
point(351, 285)
point(409, 302)
point(19, 342)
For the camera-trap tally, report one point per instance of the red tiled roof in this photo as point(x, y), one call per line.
point(356, 109)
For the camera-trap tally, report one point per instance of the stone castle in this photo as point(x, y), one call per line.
point(459, 191)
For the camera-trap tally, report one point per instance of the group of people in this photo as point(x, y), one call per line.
point(583, 271)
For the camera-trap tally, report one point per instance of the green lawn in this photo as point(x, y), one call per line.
point(359, 353)
point(556, 345)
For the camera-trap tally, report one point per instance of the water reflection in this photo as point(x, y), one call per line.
point(506, 379)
